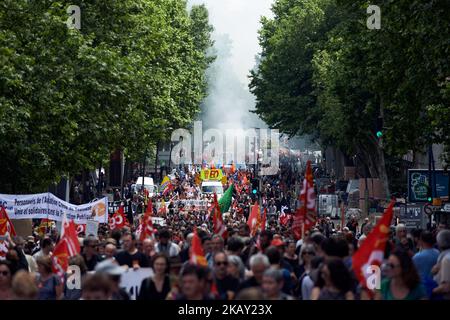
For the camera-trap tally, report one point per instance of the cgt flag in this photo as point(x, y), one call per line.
point(305, 217)
point(118, 219)
point(372, 249)
point(70, 235)
point(68, 246)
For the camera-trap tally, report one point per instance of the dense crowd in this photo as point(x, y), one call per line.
point(270, 264)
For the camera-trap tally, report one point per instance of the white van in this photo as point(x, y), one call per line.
point(328, 205)
point(210, 187)
point(149, 185)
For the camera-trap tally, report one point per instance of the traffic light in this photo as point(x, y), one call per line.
point(429, 195)
point(255, 186)
point(379, 128)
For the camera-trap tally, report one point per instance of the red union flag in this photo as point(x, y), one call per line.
point(254, 219)
point(81, 228)
point(118, 219)
point(60, 258)
point(371, 252)
point(69, 234)
point(219, 226)
point(146, 226)
point(6, 228)
point(305, 217)
point(197, 255)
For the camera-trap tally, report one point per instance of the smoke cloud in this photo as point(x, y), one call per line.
point(236, 24)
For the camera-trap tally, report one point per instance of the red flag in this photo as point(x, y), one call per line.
point(219, 226)
point(6, 228)
point(263, 220)
point(372, 249)
point(81, 228)
point(118, 219)
point(197, 256)
point(146, 228)
point(60, 259)
point(69, 234)
point(305, 217)
point(254, 219)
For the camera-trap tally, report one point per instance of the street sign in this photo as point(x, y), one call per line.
point(412, 217)
point(418, 185)
point(428, 209)
point(446, 207)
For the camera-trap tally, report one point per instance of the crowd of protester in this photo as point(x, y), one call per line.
point(268, 265)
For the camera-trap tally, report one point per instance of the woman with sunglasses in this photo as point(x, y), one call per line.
point(403, 281)
point(5, 280)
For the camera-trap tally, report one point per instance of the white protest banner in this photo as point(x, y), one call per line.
point(48, 206)
point(195, 205)
point(91, 227)
point(160, 221)
point(131, 280)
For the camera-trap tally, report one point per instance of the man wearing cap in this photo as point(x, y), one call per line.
point(114, 273)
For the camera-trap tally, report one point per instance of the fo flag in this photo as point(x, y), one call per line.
point(305, 217)
point(197, 256)
point(219, 226)
point(371, 252)
point(118, 219)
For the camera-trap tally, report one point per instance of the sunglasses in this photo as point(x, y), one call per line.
point(219, 263)
point(309, 252)
point(391, 265)
point(4, 273)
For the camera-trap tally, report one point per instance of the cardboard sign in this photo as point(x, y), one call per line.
point(131, 280)
point(91, 227)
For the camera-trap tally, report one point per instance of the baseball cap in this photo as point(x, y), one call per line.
point(109, 267)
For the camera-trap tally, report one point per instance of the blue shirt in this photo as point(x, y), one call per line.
point(424, 262)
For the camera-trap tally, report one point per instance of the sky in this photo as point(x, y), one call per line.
point(240, 20)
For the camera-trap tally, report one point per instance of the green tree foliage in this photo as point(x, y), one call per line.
point(68, 98)
point(323, 72)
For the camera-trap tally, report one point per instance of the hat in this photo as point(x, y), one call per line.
point(30, 239)
point(277, 242)
point(109, 267)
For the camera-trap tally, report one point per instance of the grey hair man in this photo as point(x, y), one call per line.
point(259, 263)
point(442, 267)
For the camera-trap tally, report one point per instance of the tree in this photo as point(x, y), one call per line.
point(68, 98)
point(336, 77)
